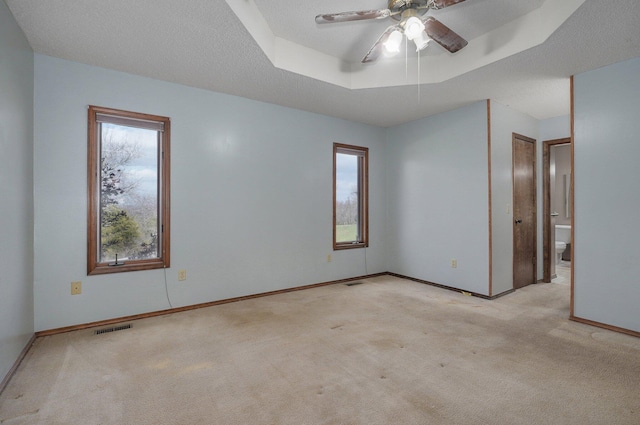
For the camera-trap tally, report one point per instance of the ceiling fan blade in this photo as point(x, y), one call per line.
point(443, 35)
point(352, 16)
point(441, 4)
point(376, 49)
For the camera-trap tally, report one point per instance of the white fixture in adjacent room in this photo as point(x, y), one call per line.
point(563, 237)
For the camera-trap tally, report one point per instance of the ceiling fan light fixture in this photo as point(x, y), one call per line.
point(392, 45)
point(413, 27)
point(421, 41)
point(413, 22)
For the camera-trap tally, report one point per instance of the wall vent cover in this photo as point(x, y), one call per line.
point(354, 283)
point(112, 329)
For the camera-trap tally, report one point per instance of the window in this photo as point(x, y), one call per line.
point(128, 189)
point(350, 193)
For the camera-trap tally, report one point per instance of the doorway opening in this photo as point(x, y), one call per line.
point(557, 210)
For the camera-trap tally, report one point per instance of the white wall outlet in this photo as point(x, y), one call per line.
point(328, 258)
point(454, 263)
point(182, 274)
point(76, 288)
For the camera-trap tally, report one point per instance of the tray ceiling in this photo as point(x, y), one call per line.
point(273, 51)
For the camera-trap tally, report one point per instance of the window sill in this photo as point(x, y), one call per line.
point(128, 266)
point(338, 247)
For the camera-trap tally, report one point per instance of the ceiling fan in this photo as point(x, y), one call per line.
point(411, 22)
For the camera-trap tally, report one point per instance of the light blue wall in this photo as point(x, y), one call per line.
point(16, 191)
point(251, 187)
point(255, 175)
point(555, 128)
point(437, 193)
point(607, 198)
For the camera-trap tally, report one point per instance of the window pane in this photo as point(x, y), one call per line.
point(347, 199)
point(129, 197)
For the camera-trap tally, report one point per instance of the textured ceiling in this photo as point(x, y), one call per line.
point(202, 43)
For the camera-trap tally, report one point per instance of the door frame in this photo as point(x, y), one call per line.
point(546, 203)
point(535, 204)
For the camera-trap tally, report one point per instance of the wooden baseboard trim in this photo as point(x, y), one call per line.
point(12, 371)
point(266, 294)
point(605, 326)
point(450, 288)
point(195, 306)
point(501, 294)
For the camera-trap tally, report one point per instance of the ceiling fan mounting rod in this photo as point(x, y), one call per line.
point(408, 13)
point(395, 5)
point(404, 9)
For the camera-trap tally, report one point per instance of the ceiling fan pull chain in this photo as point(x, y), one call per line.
point(406, 60)
point(418, 77)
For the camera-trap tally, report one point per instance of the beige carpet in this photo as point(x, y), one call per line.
point(388, 351)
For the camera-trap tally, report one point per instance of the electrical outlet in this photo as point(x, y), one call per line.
point(182, 274)
point(76, 288)
point(328, 258)
point(454, 263)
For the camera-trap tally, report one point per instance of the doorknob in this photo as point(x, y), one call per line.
point(518, 221)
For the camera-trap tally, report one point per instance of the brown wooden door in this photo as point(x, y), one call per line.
point(524, 211)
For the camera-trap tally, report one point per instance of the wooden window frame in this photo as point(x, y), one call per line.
point(94, 267)
point(363, 195)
